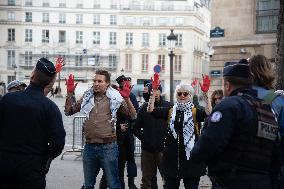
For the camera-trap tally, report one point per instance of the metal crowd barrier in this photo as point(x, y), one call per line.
point(78, 140)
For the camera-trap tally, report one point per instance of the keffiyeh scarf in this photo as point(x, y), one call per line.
point(115, 101)
point(188, 125)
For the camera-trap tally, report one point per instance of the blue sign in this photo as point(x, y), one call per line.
point(215, 73)
point(217, 32)
point(157, 68)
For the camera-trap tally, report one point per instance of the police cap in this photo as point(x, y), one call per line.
point(46, 67)
point(237, 69)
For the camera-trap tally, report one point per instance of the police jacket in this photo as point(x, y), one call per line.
point(174, 163)
point(30, 124)
point(236, 140)
point(151, 130)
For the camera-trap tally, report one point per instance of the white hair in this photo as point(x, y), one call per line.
point(186, 87)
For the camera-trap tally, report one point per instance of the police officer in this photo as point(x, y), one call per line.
point(31, 131)
point(238, 143)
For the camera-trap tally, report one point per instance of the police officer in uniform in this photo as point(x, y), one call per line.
point(239, 142)
point(31, 131)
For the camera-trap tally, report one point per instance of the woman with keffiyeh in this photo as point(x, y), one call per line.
point(183, 132)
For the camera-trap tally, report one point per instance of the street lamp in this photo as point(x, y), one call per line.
point(171, 44)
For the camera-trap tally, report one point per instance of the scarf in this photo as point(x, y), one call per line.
point(115, 101)
point(188, 125)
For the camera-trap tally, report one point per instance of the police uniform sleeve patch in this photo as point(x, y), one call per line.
point(216, 116)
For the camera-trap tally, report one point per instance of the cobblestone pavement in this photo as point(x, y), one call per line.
point(68, 173)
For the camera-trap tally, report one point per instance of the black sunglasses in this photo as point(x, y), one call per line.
point(185, 94)
point(51, 72)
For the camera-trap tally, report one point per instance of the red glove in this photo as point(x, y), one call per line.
point(125, 91)
point(59, 64)
point(156, 81)
point(206, 83)
point(70, 84)
point(194, 82)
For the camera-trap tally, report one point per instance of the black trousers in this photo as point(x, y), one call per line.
point(21, 172)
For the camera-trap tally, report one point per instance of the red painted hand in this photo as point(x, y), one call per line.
point(206, 83)
point(155, 81)
point(125, 91)
point(70, 84)
point(59, 64)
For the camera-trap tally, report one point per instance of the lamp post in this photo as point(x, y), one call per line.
point(171, 44)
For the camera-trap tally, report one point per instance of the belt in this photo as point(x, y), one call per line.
point(105, 140)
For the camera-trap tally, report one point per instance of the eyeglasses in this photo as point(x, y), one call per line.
point(185, 94)
point(51, 72)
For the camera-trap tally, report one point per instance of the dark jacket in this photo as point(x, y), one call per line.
point(154, 129)
point(174, 163)
point(233, 142)
point(31, 124)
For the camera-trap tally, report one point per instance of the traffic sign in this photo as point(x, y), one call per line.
point(157, 68)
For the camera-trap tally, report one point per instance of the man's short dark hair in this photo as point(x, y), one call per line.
point(41, 79)
point(105, 73)
point(238, 82)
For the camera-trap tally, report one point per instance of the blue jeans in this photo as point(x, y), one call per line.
point(103, 156)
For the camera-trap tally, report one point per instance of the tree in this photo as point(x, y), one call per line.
point(280, 48)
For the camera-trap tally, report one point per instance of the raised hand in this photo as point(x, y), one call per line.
point(125, 91)
point(70, 84)
point(59, 64)
point(206, 83)
point(194, 82)
point(155, 81)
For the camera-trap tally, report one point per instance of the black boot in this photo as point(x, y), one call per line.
point(131, 184)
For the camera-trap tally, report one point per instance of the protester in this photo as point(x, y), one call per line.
point(151, 131)
point(263, 82)
point(183, 132)
point(100, 103)
point(125, 139)
point(238, 143)
point(216, 97)
point(16, 85)
point(31, 131)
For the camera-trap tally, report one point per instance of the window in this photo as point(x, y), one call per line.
point(29, 17)
point(112, 20)
point(145, 62)
point(163, 21)
point(97, 36)
point(28, 58)
point(161, 62)
point(28, 35)
point(45, 3)
point(97, 59)
point(177, 63)
point(45, 54)
point(78, 60)
point(45, 36)
point(11, 16)
point(11, 2)
point(162, 40)
point(146, 21)
point(62, 3)
point(130, 20)
point(29, 3)
point(97, 4)
point(45, 17)
point(79, 19)
point(62, 18)
point(79, 4)
point(79, 37)
point(128, 62)
point(11, 78)
point(267, 15)
point(145, 39)
point(179, 40)
point(113, 4)
point(62, 36)
point(179, 21)
point(11, 34)
point(112, 60)
point(129, 39)
point(11, 58)
point(96, 19)
point(112, 38)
